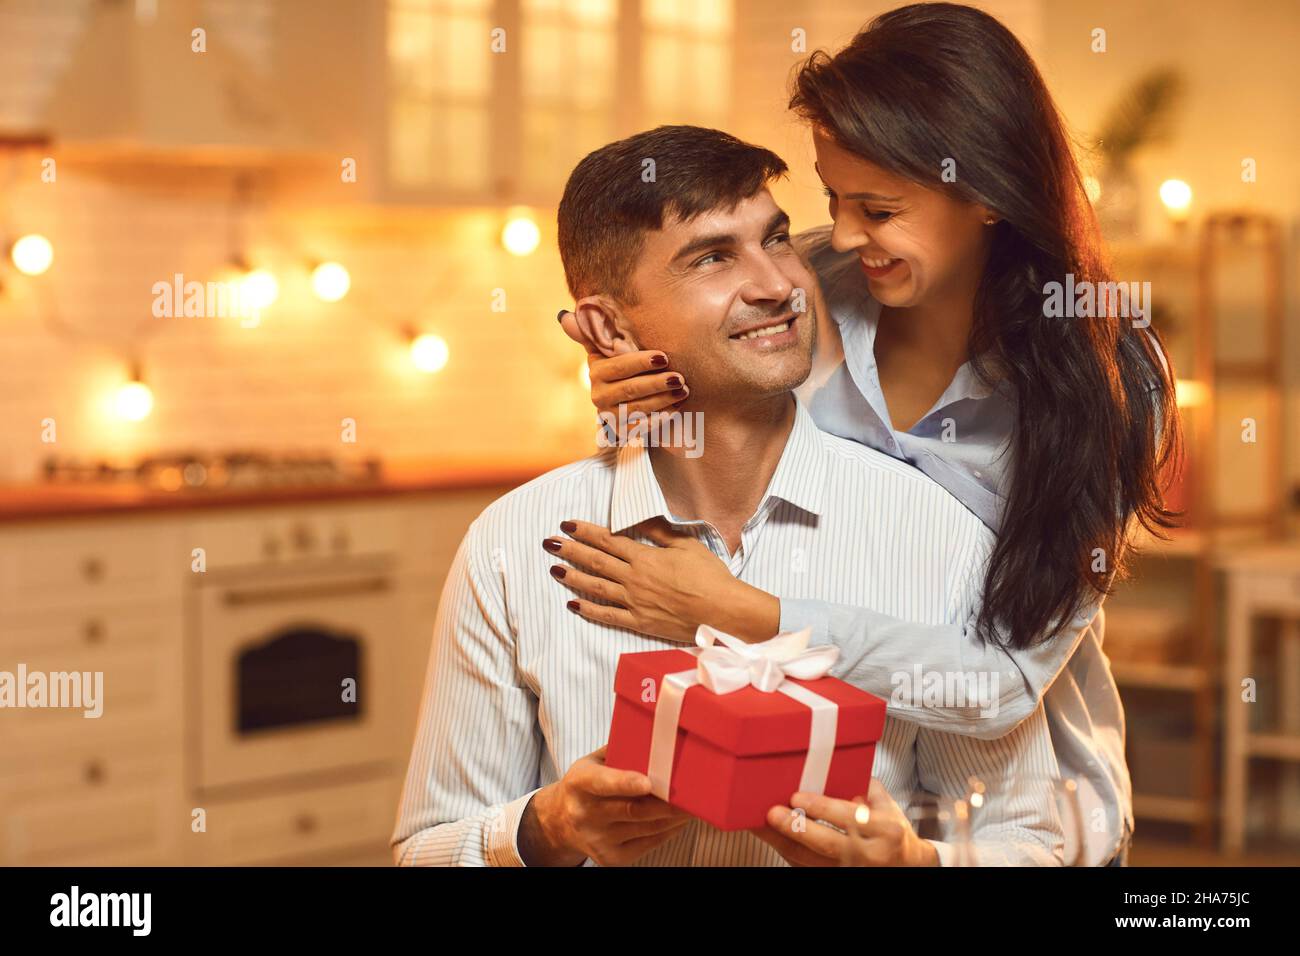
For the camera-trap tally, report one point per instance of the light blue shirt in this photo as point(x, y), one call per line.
point(964, 444)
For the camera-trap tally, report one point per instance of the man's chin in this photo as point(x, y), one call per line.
point(749, 386)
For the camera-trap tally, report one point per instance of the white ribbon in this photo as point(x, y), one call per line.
point(727, 664)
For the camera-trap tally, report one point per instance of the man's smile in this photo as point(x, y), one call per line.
point(768, 333)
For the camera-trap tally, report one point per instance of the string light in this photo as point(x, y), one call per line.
point(134, 400)
point(260, 288)
point(330, 281)
point(1177, 197)
point(429, 352)
point(32, 254)
point(520, 235)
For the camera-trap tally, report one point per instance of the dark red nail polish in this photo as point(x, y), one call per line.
point(572, 606)
point(560, 315)
point(673, 382)
point(557, 572)
point(659, 361)
point(679, 393)
point(551, 545)
point(568, 527)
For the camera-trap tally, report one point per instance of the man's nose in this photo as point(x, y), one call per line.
point(767, 282)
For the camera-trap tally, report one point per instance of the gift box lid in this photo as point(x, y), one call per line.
point(750, 721)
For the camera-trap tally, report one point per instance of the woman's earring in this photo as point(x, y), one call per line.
point(989, 221)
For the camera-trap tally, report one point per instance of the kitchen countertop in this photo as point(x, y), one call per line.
point(39, 501)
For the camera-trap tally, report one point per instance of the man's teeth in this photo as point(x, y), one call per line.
point(769, 330)
point(878, 263)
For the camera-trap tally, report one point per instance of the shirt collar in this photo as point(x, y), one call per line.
point(858, 333)
point(799, 478)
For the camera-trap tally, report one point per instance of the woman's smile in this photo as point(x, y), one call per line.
point(881, 268)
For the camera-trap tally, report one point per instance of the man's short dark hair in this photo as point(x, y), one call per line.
point(609, 205)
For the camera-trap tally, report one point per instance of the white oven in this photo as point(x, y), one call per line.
point(292, 663)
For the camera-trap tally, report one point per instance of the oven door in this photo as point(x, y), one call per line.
point(294, 669)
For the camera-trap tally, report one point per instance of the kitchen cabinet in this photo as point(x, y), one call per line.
point(117, 595)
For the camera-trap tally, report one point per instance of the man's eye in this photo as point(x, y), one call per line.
point(706, 260)
point(780, 237)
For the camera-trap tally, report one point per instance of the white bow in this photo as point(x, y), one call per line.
point(728, 664)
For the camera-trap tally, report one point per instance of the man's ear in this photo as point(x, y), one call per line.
point(604, 325)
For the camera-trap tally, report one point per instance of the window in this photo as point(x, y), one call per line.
point(569, 85)
point(465, 122)
point(686, 61)
point(439, 90)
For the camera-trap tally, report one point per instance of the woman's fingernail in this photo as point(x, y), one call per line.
point(552, 545)
point(573, 606)
point(659, 361)
point(557, 572)
point(676, 393)
point(560, 315)
point(673, 382)
point(568, 527)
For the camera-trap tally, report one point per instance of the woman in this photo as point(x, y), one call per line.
point(956, 204)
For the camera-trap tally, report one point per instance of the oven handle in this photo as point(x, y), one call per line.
point(292, 593)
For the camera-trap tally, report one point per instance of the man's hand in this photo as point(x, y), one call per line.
point(598, 812)
point(884, 838)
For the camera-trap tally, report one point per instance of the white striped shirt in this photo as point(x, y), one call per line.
point(518, 687)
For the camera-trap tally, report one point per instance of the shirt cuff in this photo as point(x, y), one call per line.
point(797, 613)
point(503, 833)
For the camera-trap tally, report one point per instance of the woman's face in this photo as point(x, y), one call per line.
point(916, 245)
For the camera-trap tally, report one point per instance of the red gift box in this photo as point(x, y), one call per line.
point(738, 754)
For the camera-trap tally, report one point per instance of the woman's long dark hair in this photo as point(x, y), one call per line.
point(1096, 416)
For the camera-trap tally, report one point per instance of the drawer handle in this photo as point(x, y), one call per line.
point(94, 631)
point(95, 773)
point(92, 569)
point(305, 592)
point(305, 823)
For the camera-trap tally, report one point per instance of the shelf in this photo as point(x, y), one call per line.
point(1173, 809)
point(1277, 746)
point(1179, 677)
point(1183, 543)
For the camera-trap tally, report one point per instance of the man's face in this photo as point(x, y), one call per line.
point(717, 295)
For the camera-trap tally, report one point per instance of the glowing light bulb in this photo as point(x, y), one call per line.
point(1177, 197)
point(32, 254)
point(520, 235)
point(260, 288)
point(1189, 393)
point(429, 352)
point(584, 376)
point(134, 401)
point(330, 281)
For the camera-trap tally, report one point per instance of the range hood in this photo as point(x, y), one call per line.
point(134, 90)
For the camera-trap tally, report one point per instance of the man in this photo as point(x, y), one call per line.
point(507, 768)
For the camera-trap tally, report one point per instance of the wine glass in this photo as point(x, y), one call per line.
point(933, 816)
